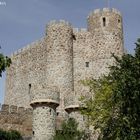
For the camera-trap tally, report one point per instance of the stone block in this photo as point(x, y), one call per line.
point(97, 11)
point(29, 111)
point(13, 109)
point(21, 110)
point(106, 10)
point(5, 108)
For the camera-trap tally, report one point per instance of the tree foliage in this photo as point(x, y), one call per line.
point(69, 131)
point(4, 63)
point(115, 105)
point(10, 135)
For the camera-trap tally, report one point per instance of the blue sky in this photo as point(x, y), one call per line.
point(24, 21)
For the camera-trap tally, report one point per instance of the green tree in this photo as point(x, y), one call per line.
point(69, 131)
point(4, 63)
point(115, 106)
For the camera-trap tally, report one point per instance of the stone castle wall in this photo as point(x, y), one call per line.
point(63, 58)
point(28, 67)
point(60, 59)
point(16, 118)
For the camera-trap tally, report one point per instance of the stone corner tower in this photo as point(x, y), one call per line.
point(104, 20)
point(107, 30)
point(44, 101)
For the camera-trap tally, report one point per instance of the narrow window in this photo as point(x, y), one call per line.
point(50, 111)
point(29, 85)
point(33, 132)
point(119, 20)
point(104, 21)
point(29, 88)
point(87, 64)
point(57, 113)
point(74, 37)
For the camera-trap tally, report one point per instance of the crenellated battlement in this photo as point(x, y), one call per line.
point(63, 22)
point(27, 48)
point(116, 11)
point(61, 25)
point(4, 108)
point(16, 118)
point(105, 10)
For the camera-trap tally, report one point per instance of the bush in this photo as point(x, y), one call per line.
point(70, 132)
point(10, 135)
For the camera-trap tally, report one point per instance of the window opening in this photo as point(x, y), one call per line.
point(29, 88)
point(87, 64)
point(119, 20)
point(29, 85)
point(74, 37)
point(104, 21)
point(50, 111)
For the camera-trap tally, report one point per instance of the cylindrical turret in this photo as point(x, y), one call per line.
point(44, 101)
point(60, 58)
point(73, 106)
point(107, 31)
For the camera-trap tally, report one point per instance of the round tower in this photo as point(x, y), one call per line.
point(72, 107)
point(44, 101)
point(107, 33)
point(60, 59)
point(109, 20)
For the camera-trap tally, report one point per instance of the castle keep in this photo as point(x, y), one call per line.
point(47, 73)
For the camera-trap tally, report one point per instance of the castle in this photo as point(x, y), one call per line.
point(47, 73)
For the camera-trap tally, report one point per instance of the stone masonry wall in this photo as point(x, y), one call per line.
point(44, 122)
point(64, 57)
point(107, 31)
point(16, 118)
point(28, 67)
point(41, 92)
point(80, 119)
point(82, 54)
point(60, 59)
point(44, 101)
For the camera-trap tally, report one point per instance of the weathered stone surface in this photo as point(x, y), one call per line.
point(61, 59)
point(44, 101)
point(13, 119)
point(43, 123)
